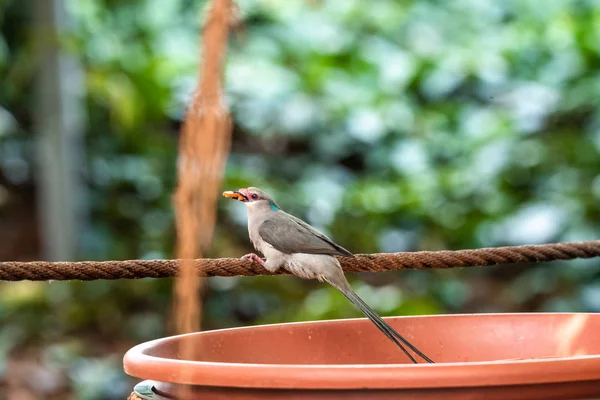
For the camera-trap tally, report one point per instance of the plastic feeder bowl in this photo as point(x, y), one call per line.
point(491, 356)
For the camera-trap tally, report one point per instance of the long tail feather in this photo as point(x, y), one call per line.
point(387, 330)
point(393, 331)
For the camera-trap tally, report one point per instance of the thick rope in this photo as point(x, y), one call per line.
point(135, 269)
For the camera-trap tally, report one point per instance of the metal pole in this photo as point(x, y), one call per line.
point(59, 119)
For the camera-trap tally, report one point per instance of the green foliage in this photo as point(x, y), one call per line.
point(390, 125)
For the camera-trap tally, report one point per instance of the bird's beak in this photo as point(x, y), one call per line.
point(237, 195)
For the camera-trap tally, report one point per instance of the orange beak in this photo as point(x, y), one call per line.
point(237, 195)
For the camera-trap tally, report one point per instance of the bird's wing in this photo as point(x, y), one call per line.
point(290, 235)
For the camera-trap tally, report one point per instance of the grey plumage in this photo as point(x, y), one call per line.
point(280, 227)
point(288, 242)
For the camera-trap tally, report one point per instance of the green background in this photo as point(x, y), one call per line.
point(389, 125)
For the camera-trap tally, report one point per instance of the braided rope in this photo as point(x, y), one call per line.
point(135, 269)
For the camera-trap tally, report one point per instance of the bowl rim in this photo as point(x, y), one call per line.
point(139, 364)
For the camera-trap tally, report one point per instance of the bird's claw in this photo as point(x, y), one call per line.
point(254, 258)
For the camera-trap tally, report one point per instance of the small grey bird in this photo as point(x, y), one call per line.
point(290, 243)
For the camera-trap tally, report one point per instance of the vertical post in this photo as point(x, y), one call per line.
point(203, 151)
point(59, 151)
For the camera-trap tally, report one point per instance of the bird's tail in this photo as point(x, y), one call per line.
point(387, 330)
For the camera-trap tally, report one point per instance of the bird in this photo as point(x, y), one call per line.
point(290, 243)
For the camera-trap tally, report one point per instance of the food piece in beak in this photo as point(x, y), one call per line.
point(235, 195)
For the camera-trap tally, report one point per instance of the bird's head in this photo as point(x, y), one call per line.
point(253, 198)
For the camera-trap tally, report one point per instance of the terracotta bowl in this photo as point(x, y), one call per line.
point(491, 356)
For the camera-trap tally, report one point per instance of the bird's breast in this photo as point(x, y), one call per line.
point(253, 234)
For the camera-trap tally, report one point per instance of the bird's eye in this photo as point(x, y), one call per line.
point(255, 196)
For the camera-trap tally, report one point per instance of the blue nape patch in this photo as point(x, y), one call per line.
point(273, 206)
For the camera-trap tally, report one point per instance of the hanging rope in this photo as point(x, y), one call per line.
point(135, 269)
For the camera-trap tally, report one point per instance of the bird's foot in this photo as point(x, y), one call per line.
point(254, 258)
